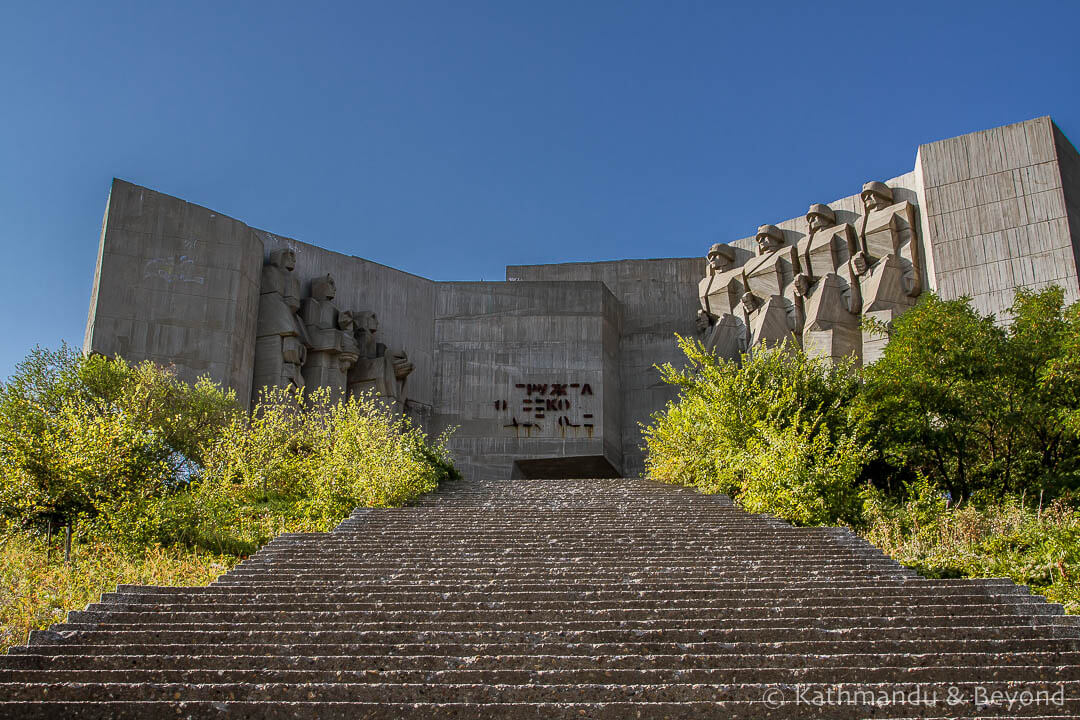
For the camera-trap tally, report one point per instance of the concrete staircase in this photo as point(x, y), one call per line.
point(557, 599)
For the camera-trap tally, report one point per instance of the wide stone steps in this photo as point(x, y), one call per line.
point(256, 673)
point(556, 599)
point(792, 664)
point(634, 708)
point(483, 692)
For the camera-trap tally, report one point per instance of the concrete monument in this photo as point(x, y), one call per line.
point(550, 372)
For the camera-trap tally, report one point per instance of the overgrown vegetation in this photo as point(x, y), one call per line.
point(958, 451)
point(1035, 545)
point(166, 481)
point(774, 432)
point(37, 587)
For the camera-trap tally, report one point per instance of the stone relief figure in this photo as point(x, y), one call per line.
point(378, 368)
point(350, 349)
point(829, 307)
point(721, 323)
point(770, 314)
point(888, 264)
point(281, 341)
point(816, 291)
point(723, 336)
point(329, 357)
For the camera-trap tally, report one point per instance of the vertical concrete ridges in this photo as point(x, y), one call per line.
point(996, 209)
point(552, 598)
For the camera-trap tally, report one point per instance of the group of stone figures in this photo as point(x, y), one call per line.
point(312, 343)
point(814, 291)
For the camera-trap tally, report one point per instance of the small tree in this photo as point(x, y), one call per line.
point(85, 436)
point(975, 406)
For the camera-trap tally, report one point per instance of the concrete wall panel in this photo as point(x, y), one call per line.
point(404, 304)
point(495, 340)
point(658, 298)
point(175, 283)
point(998, 213)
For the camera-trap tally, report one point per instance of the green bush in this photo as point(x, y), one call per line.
point(772, 430)
point(102, 442)
point(958, 407)
point(1037, 546)
point(132, 455)
point(326, 458)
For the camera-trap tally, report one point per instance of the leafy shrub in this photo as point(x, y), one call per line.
point(803, 476)
point(136, 456)
point(322, 459)
point(102, 441)
point(772, 430)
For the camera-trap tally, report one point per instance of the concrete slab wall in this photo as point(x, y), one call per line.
point(658, 299)
point(500, 350)
point(176, 283)
point(996, 210)
point(404, 304)
point(1069, 165)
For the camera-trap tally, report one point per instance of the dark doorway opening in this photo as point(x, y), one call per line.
point(583, 466)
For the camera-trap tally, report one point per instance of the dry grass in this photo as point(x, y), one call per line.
point(37, 590)
point(1035, 546)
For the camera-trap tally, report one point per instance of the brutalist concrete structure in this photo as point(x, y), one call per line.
point(549, 373)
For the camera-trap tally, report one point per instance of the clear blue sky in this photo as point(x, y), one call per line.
point(450, 139)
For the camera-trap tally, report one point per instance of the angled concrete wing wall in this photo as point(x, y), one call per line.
point(1069, 166)
point(177, 284)
point(995, 204)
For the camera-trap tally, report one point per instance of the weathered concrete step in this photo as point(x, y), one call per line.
point(477, 582)
point(510, 573)
point(479, 593)
point(370, 538)
point(789, 663)
point(960, 615)
point(533, 647)
point(498, 517)
point(600, 566)
point(595, 551)
point(1050, 626)
point(907, 587)
point(734, 710)
point(605, 563)
point(595, 675)
point(685, 529)
point(307, 557)
point(794, 572)
point(546, 633)
point(608, 566)
point(325, 611)
point(485, 692)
